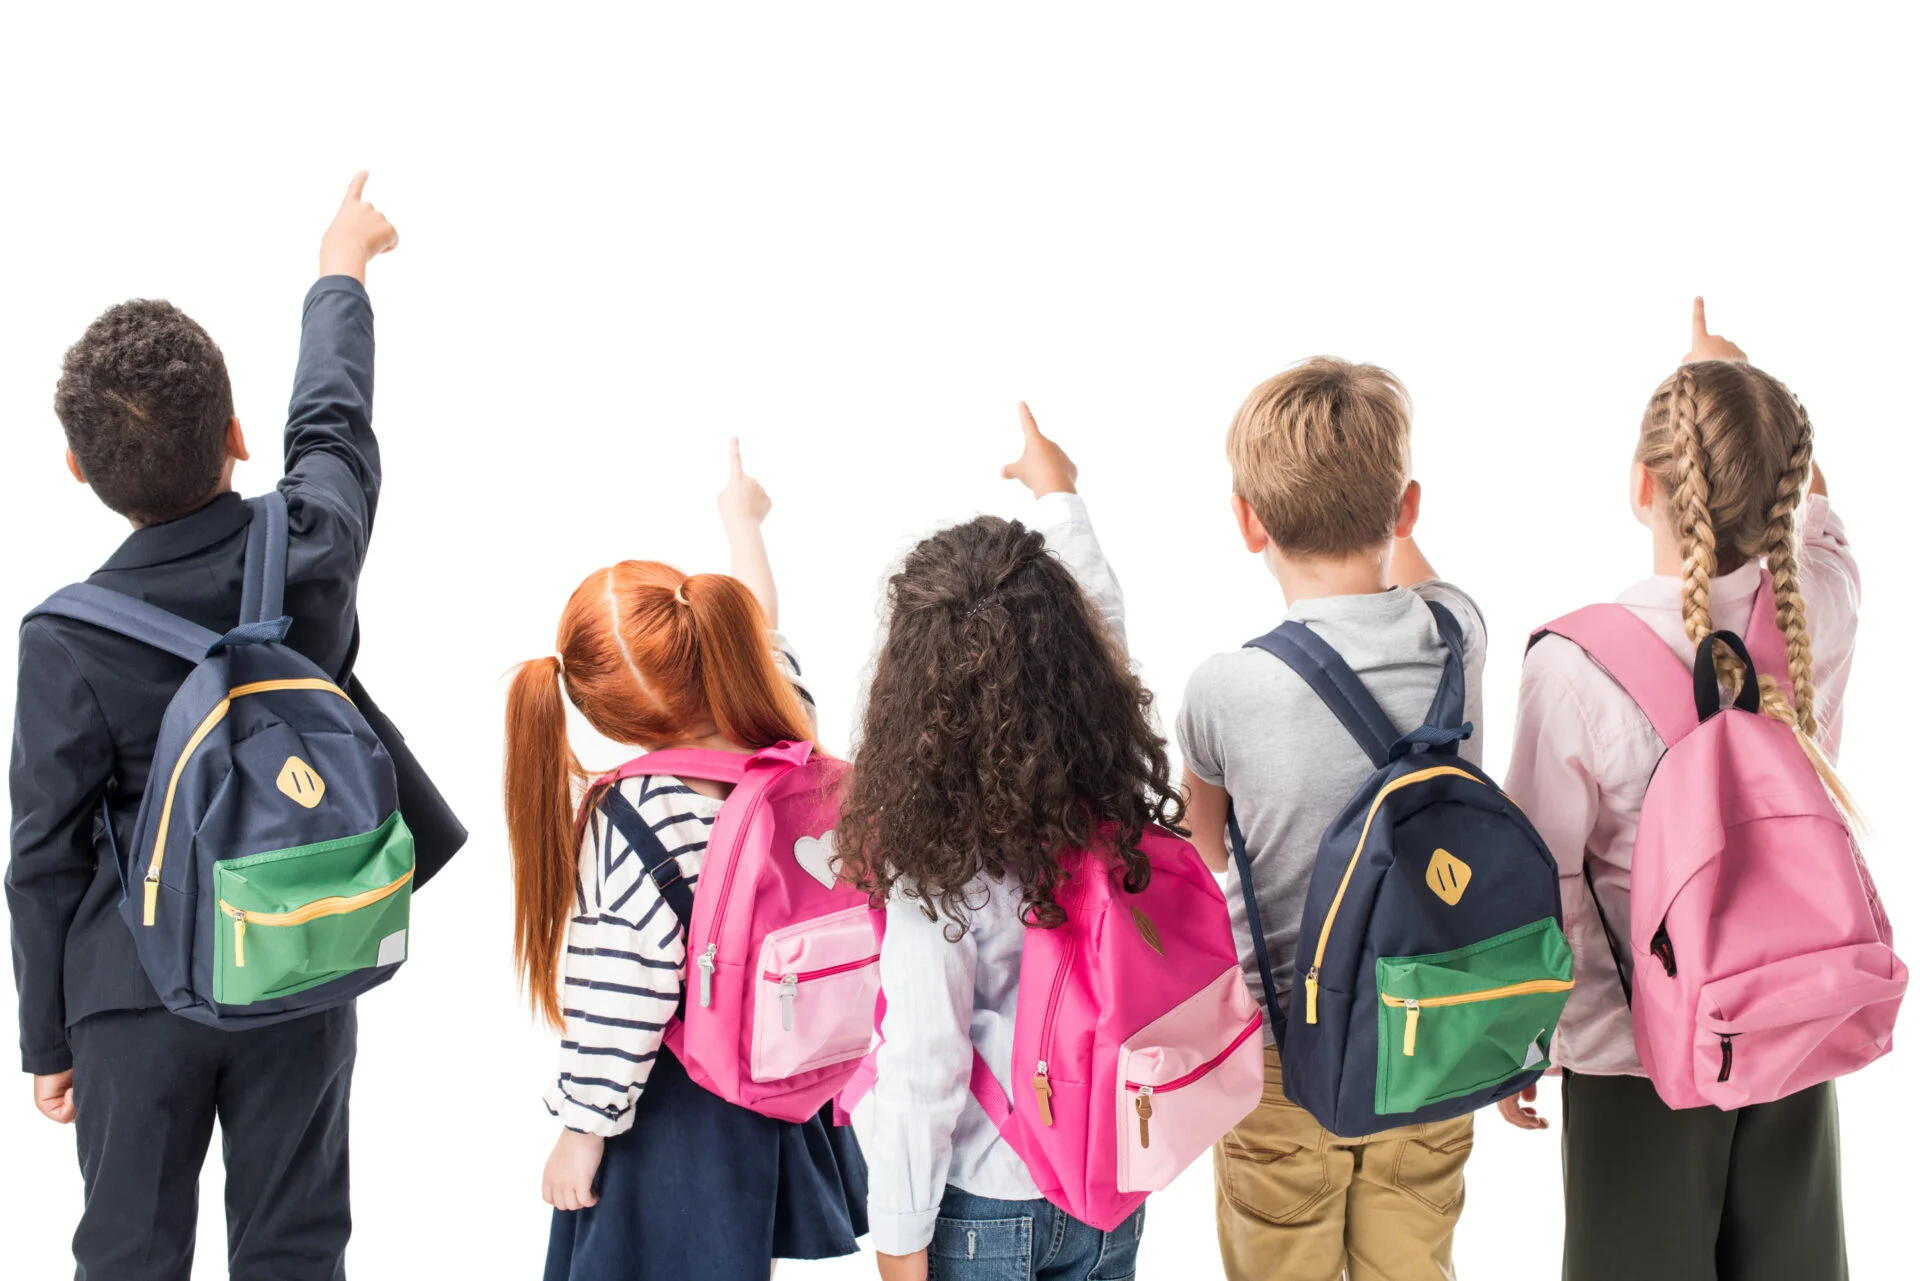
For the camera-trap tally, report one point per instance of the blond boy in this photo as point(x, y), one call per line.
point(1323, 493)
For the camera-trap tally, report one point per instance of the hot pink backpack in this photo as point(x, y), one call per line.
point(782, 971)
point(1135, 1046)
point(1762, 961)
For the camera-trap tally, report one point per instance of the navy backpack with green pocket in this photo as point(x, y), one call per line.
point(1432, 968)
point(270, 871)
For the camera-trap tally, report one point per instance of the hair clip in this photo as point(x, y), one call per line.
point(680, 594)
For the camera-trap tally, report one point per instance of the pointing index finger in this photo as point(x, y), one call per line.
point(358, 185)
point(733, 456)
point(1027, 424)
point(1699, 319)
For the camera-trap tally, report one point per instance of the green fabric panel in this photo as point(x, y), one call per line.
point(1462, 1049)
point(284, 959)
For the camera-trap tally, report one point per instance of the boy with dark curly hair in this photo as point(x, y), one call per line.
point(148, 413)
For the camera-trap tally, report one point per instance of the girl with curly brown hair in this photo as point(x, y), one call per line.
point(1005, 731)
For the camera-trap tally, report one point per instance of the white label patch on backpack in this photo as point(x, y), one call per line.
point(1534, 1053)
point(393, 949)
point(300, 784)
point(817, 856)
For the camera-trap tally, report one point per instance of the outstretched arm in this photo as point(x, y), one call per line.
point(744, 505)
point(1044, 468)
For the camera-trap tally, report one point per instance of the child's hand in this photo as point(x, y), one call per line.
point(1043, 466)
point(1514, 1112)
point(358, 234)
point(53, 1095)
point(567, 1182)
point(1708, 346)
point(743, 503)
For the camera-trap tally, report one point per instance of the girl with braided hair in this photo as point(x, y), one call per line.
point(1742, 535)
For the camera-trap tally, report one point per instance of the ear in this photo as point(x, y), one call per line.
point(236, 440)
point(1409, 511)
point(73, 465)
point(1252, 532)
point(1642, 489)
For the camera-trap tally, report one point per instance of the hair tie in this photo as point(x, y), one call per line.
point(560, 661)
point(680, 594)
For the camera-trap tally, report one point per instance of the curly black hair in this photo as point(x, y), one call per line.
point(1004, 731)
point(145, 400)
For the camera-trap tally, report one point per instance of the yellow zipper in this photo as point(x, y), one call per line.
point(1326, 926)
point(338, 905)
point(1414, 1004)
point(214, 717)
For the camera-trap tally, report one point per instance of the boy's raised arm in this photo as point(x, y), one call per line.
point(332, 459)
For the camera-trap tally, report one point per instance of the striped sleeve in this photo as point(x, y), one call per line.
point(626, 959)
point(789, 665)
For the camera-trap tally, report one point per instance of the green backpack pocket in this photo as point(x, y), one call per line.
point(1455, 1023)
point(292, 919)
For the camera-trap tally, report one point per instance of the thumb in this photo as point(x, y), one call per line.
point(358, 185)
point(1010, 472)
point(1699, 320)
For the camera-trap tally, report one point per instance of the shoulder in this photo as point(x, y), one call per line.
point(1465, 610)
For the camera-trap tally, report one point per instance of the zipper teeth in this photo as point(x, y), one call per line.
point(214, 717)
point(1053, 999)
point(1326, 926)
point(1528, 988)
point(337, 905)
point(726, 882)
point(1253, 1025)
point(807, 976)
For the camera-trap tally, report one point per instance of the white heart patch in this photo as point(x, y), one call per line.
point(817, 856)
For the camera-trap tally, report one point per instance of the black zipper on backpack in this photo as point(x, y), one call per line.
point(1726, 1056)
point(1663, 950)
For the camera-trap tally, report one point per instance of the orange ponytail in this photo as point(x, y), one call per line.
point(650, 657)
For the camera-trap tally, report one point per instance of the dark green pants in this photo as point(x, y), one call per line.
point(1700, 1194)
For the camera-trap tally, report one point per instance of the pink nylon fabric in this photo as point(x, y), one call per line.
point(1148, 981)
point(769, 899)
point(1774, 969)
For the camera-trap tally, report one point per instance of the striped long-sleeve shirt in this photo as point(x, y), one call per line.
point(625, 965)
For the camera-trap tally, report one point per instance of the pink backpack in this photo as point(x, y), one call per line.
point(1762, 959)
point(1135, 1046)
point(782, 971)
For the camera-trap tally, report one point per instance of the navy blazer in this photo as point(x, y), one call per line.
point(90, 701)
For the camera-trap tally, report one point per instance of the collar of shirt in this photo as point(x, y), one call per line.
point(219, 520)
point(1662, 591)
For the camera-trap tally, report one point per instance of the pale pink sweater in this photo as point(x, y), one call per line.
point(1583, 752)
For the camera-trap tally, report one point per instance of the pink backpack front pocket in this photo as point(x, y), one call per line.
point(814, 997)
point(1184, 1080)
point(1770, 1031)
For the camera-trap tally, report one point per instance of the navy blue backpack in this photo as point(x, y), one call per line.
point(270, 870)
point(1432, 968)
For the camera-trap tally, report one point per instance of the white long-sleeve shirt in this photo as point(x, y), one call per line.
point(625, 965)
point(924, 1130)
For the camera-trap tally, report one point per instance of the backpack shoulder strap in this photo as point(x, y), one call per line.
point(132, 617)
point(263, 587)
point(1327, 674)
point(656, 863)
point(714, 767)
point(1243, 865)
point(1627, 649)
point(1449, 707)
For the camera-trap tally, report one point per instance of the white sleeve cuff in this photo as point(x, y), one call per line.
point(901, 1231)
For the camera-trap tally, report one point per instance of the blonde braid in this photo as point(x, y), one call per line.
point(1790, 611)
point(1693, 496)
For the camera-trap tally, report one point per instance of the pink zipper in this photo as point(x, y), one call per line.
point(1042, 1084)
point(1253, 1025)
point(709, 958)
point(808, 976)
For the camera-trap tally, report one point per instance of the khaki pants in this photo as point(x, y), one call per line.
point(1297, 1202)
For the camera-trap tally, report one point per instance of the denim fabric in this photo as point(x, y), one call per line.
point(981, 1239)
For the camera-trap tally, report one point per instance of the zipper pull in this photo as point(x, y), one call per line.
point(153, 897)
point(1413, 1022)
point(1143, 1104)
point(1662, 949)
point(789, 986)
point(705, 962)
point(1043, 1094)
point(239, 939)
point(1313, 995)
point(1726, 1056)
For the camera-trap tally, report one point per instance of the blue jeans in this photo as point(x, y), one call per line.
point(980, 1239)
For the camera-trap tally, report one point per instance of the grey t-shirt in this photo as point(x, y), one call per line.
point(1252, 726)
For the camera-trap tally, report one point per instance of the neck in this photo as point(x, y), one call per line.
point(710, 741)
point(1668, 560)
point(1363, 574)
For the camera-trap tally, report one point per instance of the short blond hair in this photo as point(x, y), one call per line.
point(1322, 453)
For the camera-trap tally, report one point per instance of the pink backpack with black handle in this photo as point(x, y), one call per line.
point(1761, 960)
point(782, 971)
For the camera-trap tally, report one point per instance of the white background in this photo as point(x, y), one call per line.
point(855, 238)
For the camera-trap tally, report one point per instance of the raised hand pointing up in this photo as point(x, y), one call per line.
point(359, 233)
point(1043, 466)
point(1708, 346)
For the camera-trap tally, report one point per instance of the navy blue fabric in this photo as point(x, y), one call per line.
point(655, 858)
point(979, 1238)
point(1330, 1066)
point(263, 582)
point(1243, 863)
point(129, 616)
point(700, 1187)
